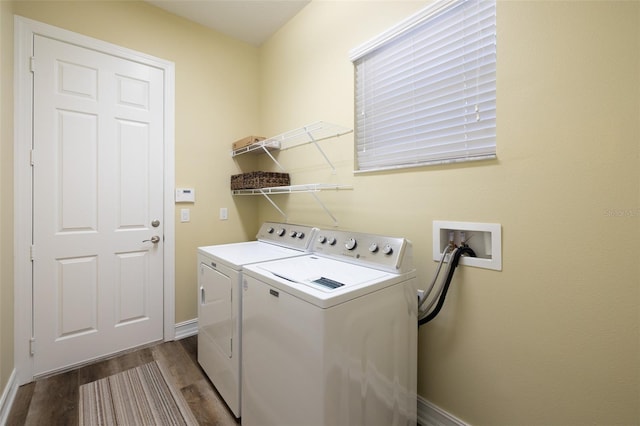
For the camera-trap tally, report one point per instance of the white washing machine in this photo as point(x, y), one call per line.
point(220, 300)
point(330, 338)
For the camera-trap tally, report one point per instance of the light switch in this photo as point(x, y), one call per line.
point(185, 215)
point(224, 213)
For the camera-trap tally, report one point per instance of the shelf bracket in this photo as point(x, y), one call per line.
point(275, 206)
point(313, 194)
point(264, 148)
point(333, 169)
point(326, 210)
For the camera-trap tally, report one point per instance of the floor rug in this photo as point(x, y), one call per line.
point(139, 396)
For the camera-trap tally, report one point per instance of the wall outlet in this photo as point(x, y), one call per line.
point(484, 238)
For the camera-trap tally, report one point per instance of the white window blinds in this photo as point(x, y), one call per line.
point(426, 90)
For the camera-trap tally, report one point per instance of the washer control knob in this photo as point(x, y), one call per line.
point(270, 230)
point(387, 249)
point(280, 232)
point(322, 239)
point(332, 241)
point(373, 247)
point(293, 234)
point(301, 235)
point(351, 244)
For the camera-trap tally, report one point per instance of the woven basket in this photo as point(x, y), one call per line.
point(254, 180)
point(237, 181)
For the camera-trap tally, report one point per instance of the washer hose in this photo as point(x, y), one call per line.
point(454, 264)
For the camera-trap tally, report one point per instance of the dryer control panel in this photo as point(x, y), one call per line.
point(385, 253)
point(287, 235)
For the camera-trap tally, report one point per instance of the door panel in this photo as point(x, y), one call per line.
point(98, 184)
point(77, 189)
point(131, 287)
point(77, 287)
point(133, 182)
point(77, 80)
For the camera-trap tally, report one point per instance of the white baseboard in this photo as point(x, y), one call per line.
point(186, 329)
point(430, 414)
point(8, 395)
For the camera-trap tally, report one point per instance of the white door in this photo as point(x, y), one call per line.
point(97, 200)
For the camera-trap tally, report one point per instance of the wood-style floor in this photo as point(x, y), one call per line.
point(54, 400)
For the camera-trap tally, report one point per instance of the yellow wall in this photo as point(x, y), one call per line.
point(6, 194)
point(553, 338)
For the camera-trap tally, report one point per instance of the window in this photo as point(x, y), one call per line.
point(425, 91)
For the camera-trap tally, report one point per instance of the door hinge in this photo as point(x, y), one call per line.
point(32, 345)
point(32, 160)
point(32, 252)
point(32, 64)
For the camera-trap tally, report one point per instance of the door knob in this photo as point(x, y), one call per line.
point(155, 239)
point(155, 223)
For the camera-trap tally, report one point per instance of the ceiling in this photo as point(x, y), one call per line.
point(252, 21)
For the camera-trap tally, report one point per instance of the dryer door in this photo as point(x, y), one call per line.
point(214, 308)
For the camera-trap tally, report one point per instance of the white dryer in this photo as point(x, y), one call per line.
point(220, 300)
point(330, 338)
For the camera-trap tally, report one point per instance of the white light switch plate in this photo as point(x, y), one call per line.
point(185, 215)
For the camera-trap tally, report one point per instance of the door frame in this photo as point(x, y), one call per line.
point(24, 31)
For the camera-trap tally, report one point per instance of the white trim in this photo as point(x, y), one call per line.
point(169, 205)
point(430, 414)
point(430, 10)
point(23, 90)
point(186, 329)
point(8, 395)
point(24, 31)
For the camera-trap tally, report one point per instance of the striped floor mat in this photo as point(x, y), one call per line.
point(139, 396)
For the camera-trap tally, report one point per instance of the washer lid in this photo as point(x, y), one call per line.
point(308, 269)
point(322, 281)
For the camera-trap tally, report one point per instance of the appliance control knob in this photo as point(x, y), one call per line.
point(351, 244)
point(280, 232)
point(293, 234)
point(373, 248)
point(332, 241)
point(270, 230)
point(322, 239)
point(301, 235)
point(387, 249)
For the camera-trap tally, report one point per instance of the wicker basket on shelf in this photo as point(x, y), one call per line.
point(255, 180)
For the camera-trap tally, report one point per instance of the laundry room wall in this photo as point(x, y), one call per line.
point(552, 338)
point(6, 195)
point(216, 86)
